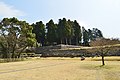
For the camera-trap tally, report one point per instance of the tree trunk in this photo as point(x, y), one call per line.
point(70, 41)
point(13, 51)
point(103, 63)
point(76, 40)
point(66, 41)
point(61, 41)
point(21, 51)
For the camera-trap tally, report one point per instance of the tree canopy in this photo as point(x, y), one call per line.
point(51, 32)
point(15, 36)
point(39, 30)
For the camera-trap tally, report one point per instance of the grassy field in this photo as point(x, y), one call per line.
point(61, 69)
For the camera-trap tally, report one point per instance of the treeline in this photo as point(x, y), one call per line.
point(64, 32)
point(16, 35)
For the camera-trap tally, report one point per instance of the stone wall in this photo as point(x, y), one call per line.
point(62, 51)
point(66, 51)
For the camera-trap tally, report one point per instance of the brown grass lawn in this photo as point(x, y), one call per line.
point(60, 69)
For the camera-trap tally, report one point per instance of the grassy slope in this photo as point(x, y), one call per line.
point(60, 69)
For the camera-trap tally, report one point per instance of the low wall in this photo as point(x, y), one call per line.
point(59, 51)
point(64, 51)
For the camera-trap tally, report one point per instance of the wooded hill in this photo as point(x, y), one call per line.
point(17, 35)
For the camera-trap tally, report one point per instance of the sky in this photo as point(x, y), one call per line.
point(101, 14)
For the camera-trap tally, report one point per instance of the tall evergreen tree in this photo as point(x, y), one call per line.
point(90, 34)
point(85, 37)
point(39, 30)
point(71, 25)
point(67, 28)
point(77, 32)
point(51, 32)
point(64, 30)
point(60, 31)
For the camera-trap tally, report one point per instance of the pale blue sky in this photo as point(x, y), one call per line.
point(101, 14)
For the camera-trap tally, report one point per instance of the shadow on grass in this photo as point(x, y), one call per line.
point(96, 67)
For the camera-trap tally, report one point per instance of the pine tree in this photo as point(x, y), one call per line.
point(51, 32)
point(39, 30)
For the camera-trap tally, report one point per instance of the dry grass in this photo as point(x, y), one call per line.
point(60, 69)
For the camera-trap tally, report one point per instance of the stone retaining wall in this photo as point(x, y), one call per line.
point(66, 51)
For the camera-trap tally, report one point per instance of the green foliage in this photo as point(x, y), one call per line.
point(39, 30)
point(94, 34)
point(63, 30)
point(16, 36)
point(85, 36)
point(51, 32)
point(77, 32)
point(71, 35)
point(69, 30)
